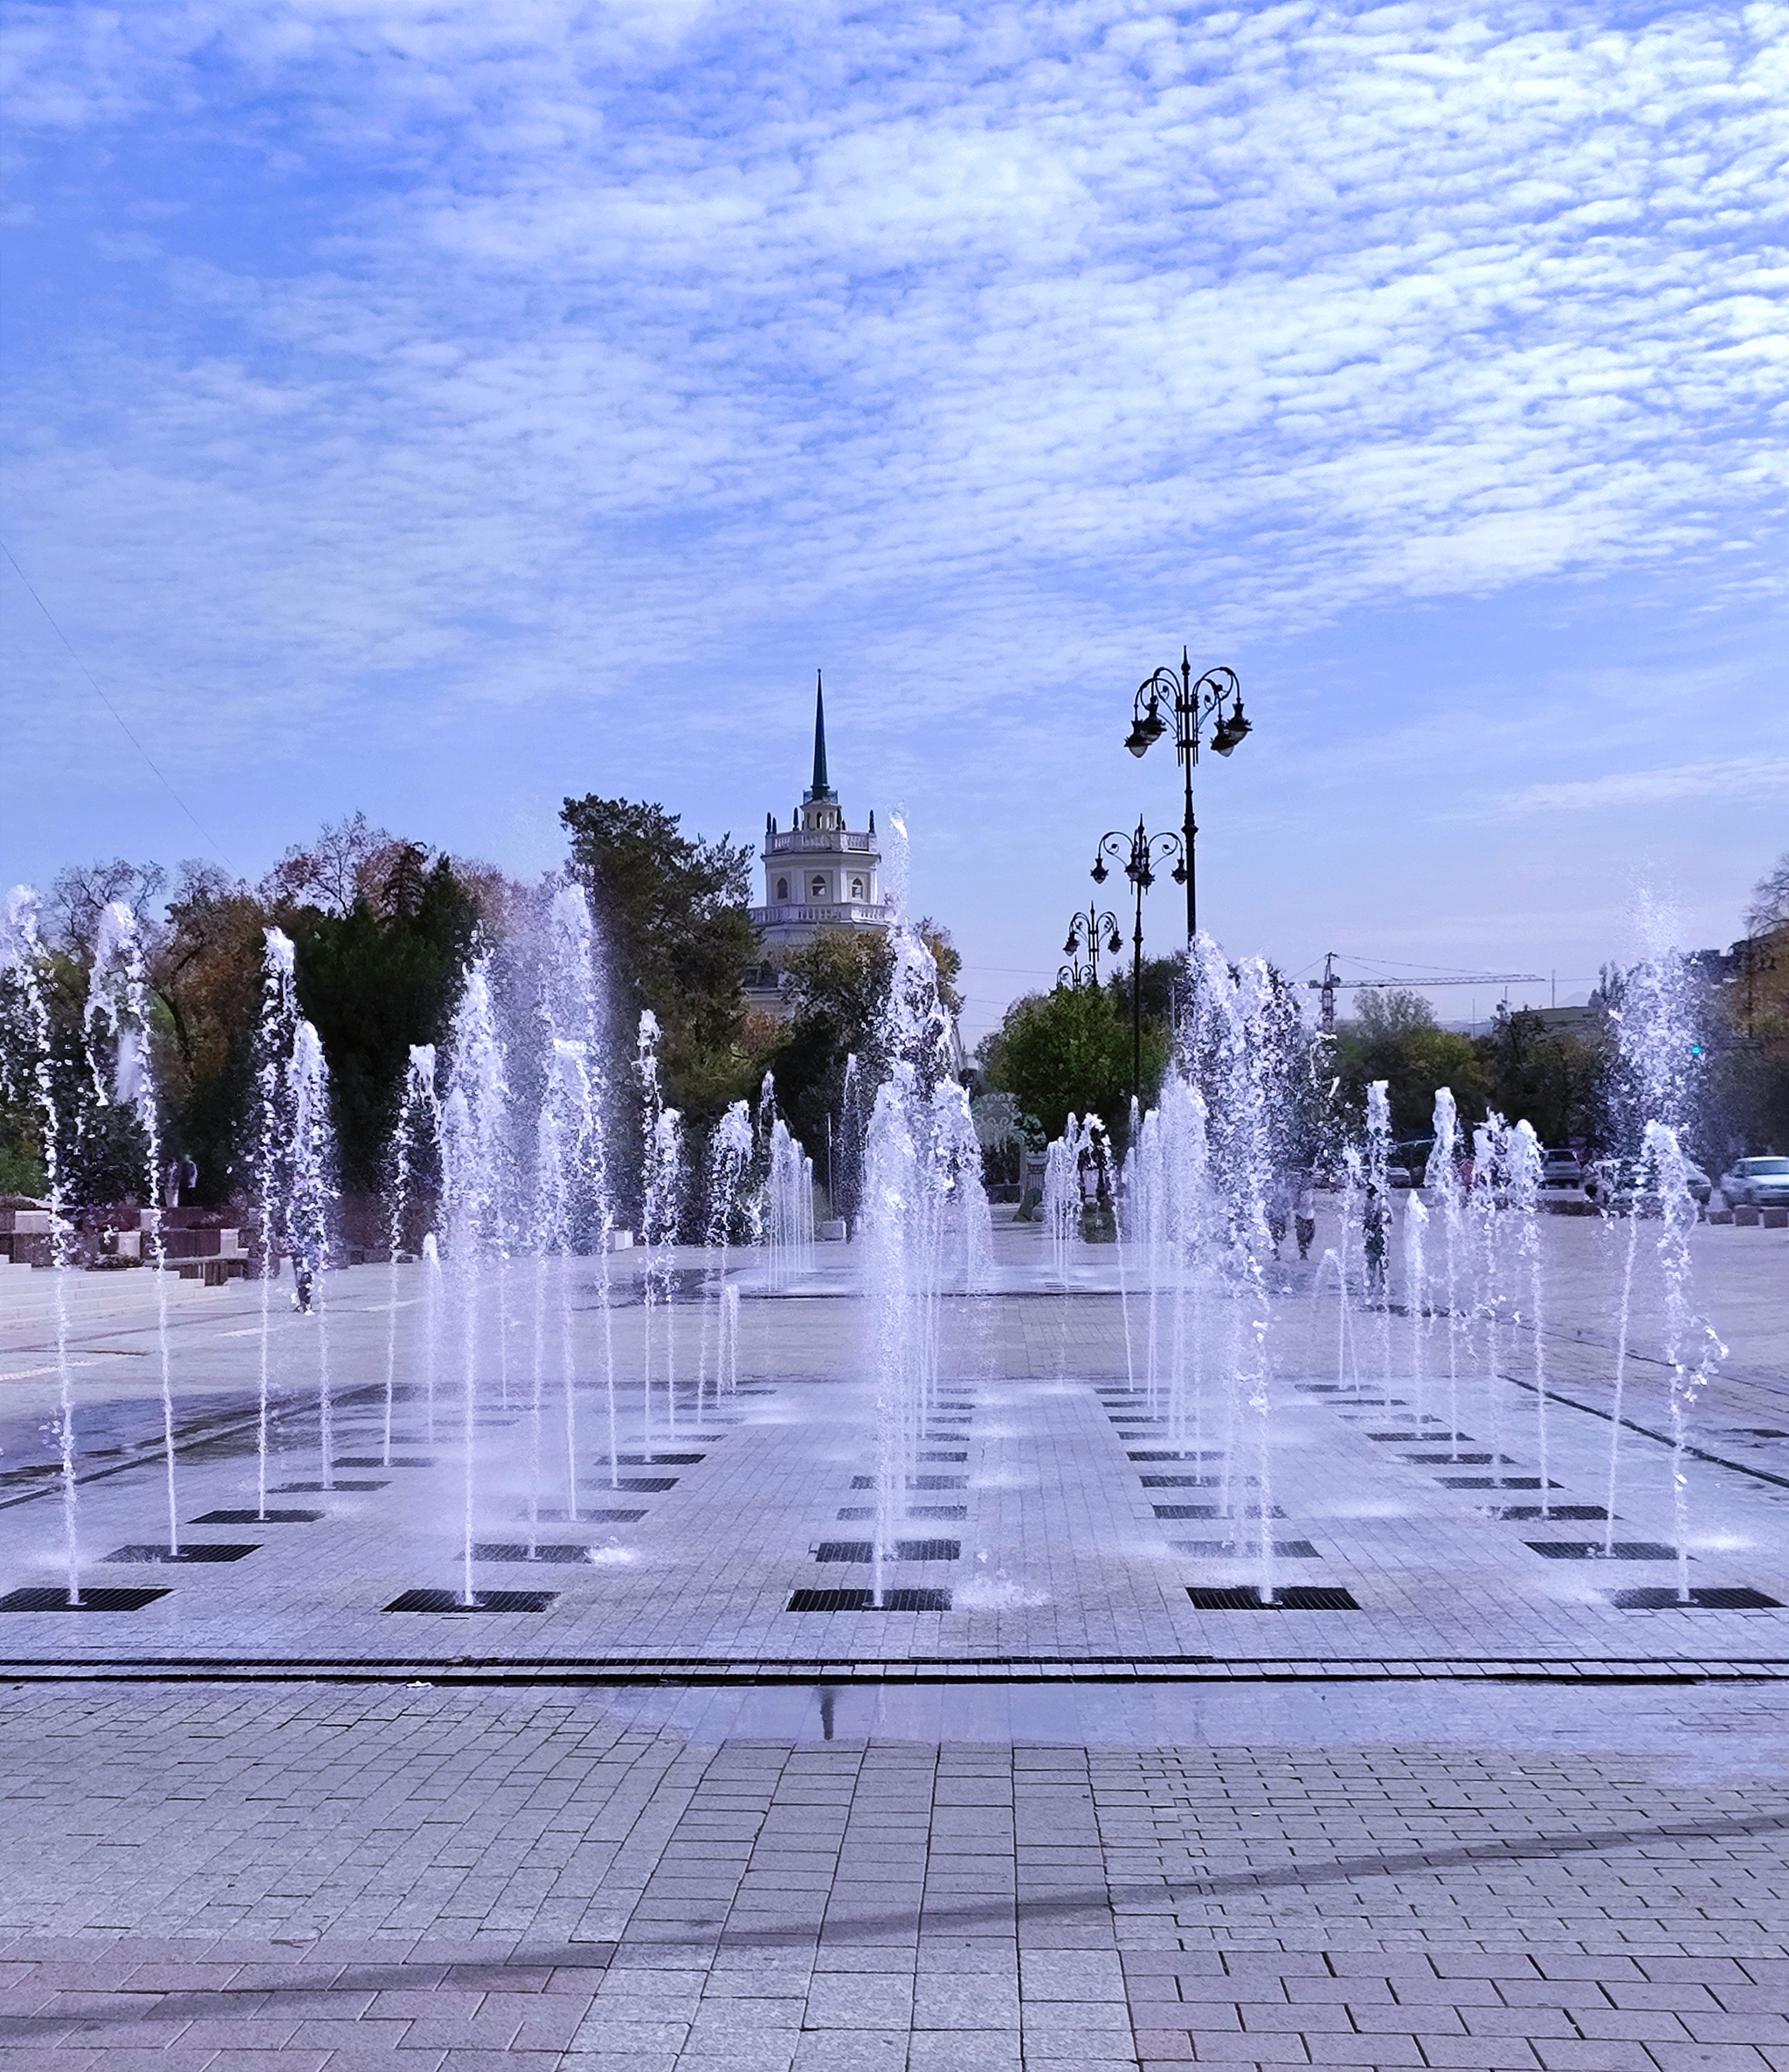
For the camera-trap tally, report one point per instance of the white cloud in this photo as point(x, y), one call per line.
point(1735, 780)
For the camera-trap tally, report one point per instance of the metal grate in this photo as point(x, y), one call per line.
point(1419, 1438)
point(659, 1460)
point(1229, 1549)
point(644, 1485)
point(860, 1600)
point(855, 1513)
point(1710, 1597)
point(315, 1488)
point(940, 1514)
point(519, 1551)
point(586, 1517)
point(1573, 1513)
point(186, 1554)
point(1208, 1511)
point(1185, 1482)
point(51, 1597)
point(1459, 1460)
point(378, 1460)
point(1594, 1551)
point(943, 1456)
point(1492, 1482)
point(937, 1481)
point(259, 1517)
point(1297, 1597)
point(1208, 1454)
point(483, 1600)
point(864, 1550)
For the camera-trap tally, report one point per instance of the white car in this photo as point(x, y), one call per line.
point(1756, 1182)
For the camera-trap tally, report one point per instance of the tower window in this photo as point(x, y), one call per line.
point(820, 888)
point(857, 889)
point(782, 888)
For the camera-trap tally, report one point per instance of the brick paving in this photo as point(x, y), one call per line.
point(1487, 1820)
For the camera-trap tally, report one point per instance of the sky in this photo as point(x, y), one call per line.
point(435, 409)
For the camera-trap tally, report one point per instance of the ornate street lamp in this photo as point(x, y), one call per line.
point(1139, 852)
point(1089, 931)
point(1215, 696)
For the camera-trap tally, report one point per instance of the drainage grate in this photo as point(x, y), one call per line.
point(1183, 1482)
point(1492, 1482)
point(941, 1456)
point(315, 1488)
point(1459, 1460)
point(1593, 1550)
point(1297, 1597)
point(483, 1600)
point(378, 1460)
point(860, 1600)
point(1210, 1453)
point(1225, 1549)
point(1570, 1513)
point(161, 1554)
point(52, 1597)
point(937, 1481)
point(846, 1550)
point(518, 1550)
point(644, 1485)
point(1419, 1438)
point(940, 1514)
point(1710, 1597)
point(587, 1517)
point(854, 1513)
point(259, 1517)
point(904, 1550)
point(659, 1460)
point(1208, 1511)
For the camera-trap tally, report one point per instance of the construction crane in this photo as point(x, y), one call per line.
point(1418, 977)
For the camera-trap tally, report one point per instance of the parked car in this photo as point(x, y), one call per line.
point(1630, 1186)
point(1561, 1169)
point(1756, 1182)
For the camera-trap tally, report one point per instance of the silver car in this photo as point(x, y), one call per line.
point(1756, 1182)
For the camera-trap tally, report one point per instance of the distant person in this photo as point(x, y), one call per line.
point(1374, 1219)
point(182, 1174)
point(1304, 1215)
point(1279, 1210)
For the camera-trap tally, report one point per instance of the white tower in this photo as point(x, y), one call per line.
point(818, 875)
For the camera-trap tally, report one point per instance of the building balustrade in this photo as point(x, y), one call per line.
point(824, 914)
point(802, 841)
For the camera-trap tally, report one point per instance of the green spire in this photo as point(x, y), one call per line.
point(819, 788)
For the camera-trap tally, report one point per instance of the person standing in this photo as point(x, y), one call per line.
point(1304, 1215)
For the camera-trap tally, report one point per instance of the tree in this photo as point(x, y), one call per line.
point(1393, 1036)
point(672, 909)
point(1068, 1051)
point(1553, 1082)
point(375, 980)
point(1769, 906)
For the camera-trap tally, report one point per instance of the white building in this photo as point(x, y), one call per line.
point(818, 875)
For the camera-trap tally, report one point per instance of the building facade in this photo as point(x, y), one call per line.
point(818, 875)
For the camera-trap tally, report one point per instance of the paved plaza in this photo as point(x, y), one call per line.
point(1467, 1802)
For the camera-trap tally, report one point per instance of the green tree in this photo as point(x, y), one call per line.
point(673, 912)
point(374, 980)
point(1069, 1051)
point(1393, 1036)
point(1553, 1082)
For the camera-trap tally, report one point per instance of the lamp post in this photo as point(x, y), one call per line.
point(1089, 931)
point(1192, 703)
point(1139, 853)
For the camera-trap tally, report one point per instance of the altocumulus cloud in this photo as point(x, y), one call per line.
point(1016, 327)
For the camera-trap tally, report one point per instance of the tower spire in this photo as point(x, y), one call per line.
point(820, 788)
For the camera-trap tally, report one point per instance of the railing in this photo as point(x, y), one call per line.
point(833, 914)
point(800, 840)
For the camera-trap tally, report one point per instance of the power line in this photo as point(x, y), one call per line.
point(110, 707)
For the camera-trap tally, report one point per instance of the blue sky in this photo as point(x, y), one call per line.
point(435, 409)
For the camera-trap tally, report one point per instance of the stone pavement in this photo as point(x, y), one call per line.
point(207, 1881)
point(1488, 1819)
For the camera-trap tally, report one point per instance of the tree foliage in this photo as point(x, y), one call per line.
point(1393, 1035)
point(673, 912)
point(1069, 1051)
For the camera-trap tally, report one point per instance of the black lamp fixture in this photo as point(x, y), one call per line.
point(1217, 695)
